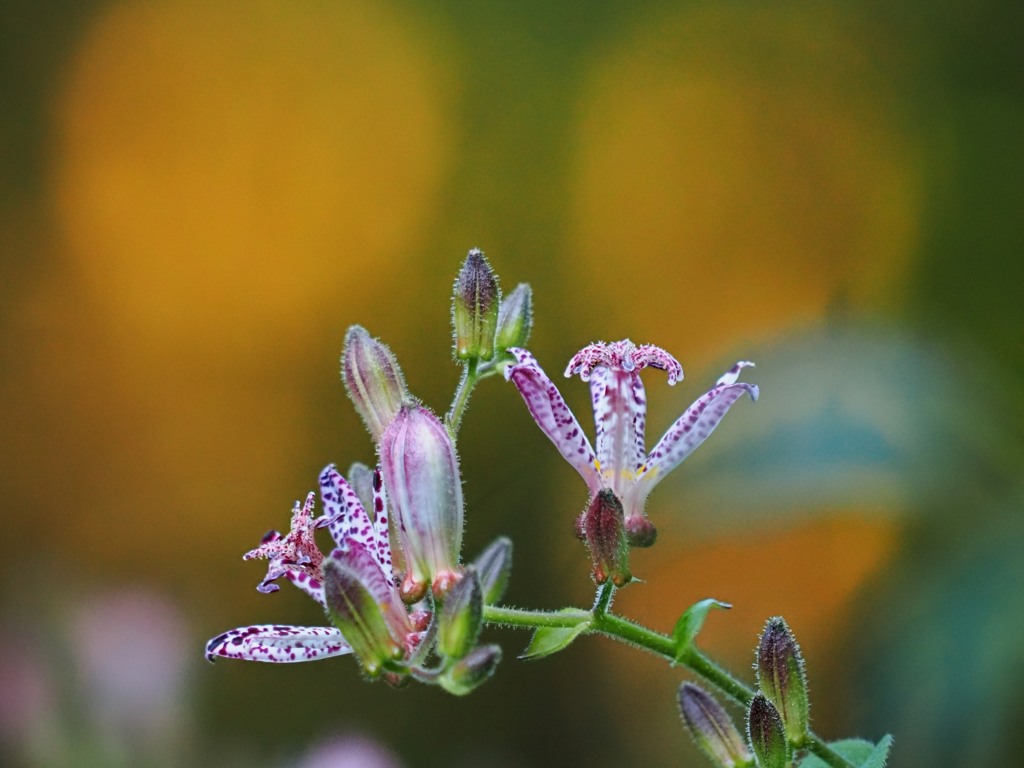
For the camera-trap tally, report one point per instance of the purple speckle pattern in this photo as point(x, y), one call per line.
point(620, 412)
point(278, 643)
point(623, 356)
point(693, 427)
point(549, 410)
point(291, 555)
point(350, 523)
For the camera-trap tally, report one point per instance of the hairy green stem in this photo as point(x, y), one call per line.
point(461, 399)
point(631, 633)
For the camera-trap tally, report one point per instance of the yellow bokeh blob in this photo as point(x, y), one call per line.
point(225, 166)
point(739, 169)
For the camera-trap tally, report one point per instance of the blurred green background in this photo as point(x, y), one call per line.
point(198, 197)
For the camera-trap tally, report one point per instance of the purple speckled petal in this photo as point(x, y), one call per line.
point(690, 430)
point(297, 550)
point(549, 410)
point(620, 411)
point(278, 643)
point(623, 356)
point(349, 522)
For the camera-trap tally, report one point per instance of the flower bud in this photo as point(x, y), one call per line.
point(373, 380)
point(475, 308)
point(605, 535)
point(462, 617)
point(712, 729)
point(767, 734)
point(781, 677)
point(469, 673)
point(515, 318)
point(421, 475)
point(351, 580)
point(493, 567)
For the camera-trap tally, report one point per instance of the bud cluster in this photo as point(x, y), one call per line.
point(777, 719)
point(484, 325)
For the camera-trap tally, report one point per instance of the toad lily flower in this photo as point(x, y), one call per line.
point(621, 464)
point(355, 584)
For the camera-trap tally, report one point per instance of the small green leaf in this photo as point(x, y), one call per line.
point(691, 621)
point(549, 640)
point(861, 753)
point(880, 754)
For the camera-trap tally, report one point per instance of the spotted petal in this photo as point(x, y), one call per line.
point(693, 427)
point(279, 643)
point(620, 411)
point(349, 522)
point(295, 552)
point(549, 410)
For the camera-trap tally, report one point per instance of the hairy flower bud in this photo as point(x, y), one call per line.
point(493, 567)
point(461, 618)
point(515, 318)
point(421, 475)
point(766, 734)
point(471, 672)
point(603, 531)
point(781, 677)
point(712, 729)
point(373, 380)
point(475, 304)
point(353, 590)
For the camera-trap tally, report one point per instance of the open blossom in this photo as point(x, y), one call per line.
point(621, 463)
point(356, 576)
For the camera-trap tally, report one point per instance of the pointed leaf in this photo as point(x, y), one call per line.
point(880, 754)
point(690, 623)
point(861, 753)
point(549, 640)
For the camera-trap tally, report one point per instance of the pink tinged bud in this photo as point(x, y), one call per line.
point(493, 566)
point(640, 531)
point(363, 606)
point(421, 476)
point(766, 734)
point(782, 679)
point(461, 617)
point(373, 380)
point(604, 532)
point(475, 308)
point(470, 673)
point(712, 729)
point(515, 318)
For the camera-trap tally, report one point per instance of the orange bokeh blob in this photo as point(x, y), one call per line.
point(740, 169)
point(225, 167)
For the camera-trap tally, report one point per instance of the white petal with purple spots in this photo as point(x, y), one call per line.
point(278, 643)
point(549, 410)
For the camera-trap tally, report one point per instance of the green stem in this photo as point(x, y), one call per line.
point(461, 399)
point(526, 619)
point(629, 632)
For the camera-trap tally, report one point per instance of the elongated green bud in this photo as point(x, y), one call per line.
point(462, 617)
point(712, 729)
point(354, 610)
point(781, 677)
point(493, 566)
point(475, 304)
point(373, 380)
point(515, 318)
point(471, 672)
point(766, 734)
